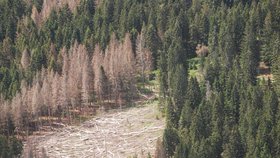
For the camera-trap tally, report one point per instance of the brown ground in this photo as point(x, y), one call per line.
point(264, 72)
point(119, 133)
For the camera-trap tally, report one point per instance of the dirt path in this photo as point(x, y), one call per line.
point(122, 133)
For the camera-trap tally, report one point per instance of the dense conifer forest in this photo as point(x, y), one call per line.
point(217, 63)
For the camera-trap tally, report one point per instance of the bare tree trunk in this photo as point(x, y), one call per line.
point(49, 115)
point(68, 114)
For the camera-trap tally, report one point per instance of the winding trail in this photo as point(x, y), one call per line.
point(120, 134)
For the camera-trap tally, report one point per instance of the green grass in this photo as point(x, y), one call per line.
point(193, 73)
point(194, 64)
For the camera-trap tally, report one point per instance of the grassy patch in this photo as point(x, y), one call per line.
point(193, 73)
point(194, 64)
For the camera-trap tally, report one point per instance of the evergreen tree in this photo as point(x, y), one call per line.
point(7, 52)
point(227, 47)
point(163, 73)
point(186, 116)
point(239, 115)
point(266, 39)
point(249, 56)
point(234, 147)
point(179, 89)
point(193, 95)
point(181, 151)
point(276, 68)
point(170, 140)
point(170, 136)
point(217, 125)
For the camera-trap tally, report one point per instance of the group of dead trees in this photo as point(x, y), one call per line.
point(48, 6)
point(104, 77)
point(118, 68)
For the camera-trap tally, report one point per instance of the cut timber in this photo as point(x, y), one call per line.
point(264, 72)
point(118, 133)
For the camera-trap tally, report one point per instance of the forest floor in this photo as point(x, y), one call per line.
point(122, 133)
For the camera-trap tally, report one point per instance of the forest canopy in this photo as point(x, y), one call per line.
point(217, 63)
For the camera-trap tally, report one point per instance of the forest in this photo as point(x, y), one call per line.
point(216, 61)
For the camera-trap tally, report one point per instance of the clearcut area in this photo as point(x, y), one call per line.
point(119, 133)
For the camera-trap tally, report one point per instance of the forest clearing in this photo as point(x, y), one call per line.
point(118, 133)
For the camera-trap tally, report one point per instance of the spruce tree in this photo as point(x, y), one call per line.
point(249, 54)
point(179, 88)
point(163, 73)
point(267, 40)
point(234, 147)
point(193, 95)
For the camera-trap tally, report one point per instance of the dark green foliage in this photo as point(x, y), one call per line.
point(234, 147)
point(193, 94)
point(276, 68)
point(227, 46)
point(222, 112)
point(11, 12)
point(171, 117)
point(267, 41)
point(181, 151)
point(250, 56)
point(163, 73)
point(10, 147)
point(238, 117)
point(200, 127)
point(152, 41)
point(179, 88)
point(170, 140)
point(7, 52)
point(186, 115)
